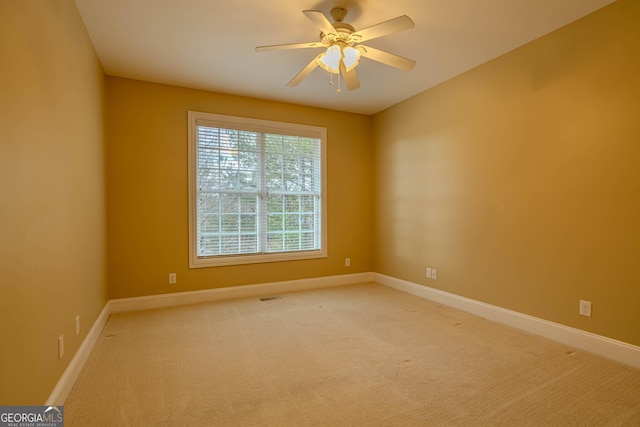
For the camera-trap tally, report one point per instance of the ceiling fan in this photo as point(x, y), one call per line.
point(343, 49)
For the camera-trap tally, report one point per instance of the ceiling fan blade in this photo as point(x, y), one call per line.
point(391, 26)
point(388, 58)
point(320, 20)
point(350, 77)
point(288, 46)
point(304, 72)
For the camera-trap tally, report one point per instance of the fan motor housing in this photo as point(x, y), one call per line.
point(343, 27)
point(343, 34)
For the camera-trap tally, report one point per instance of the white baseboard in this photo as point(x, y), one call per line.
point(606, 347)
point(70, 375)
point(246, 291)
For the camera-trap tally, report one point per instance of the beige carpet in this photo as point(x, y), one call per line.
point(345, 356)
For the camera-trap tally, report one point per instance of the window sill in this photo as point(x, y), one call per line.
point(219, 261)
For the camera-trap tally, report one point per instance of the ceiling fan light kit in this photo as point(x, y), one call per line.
point(342, 49)
point(330, 60)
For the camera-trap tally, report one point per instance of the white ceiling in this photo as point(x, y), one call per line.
point(209, 44)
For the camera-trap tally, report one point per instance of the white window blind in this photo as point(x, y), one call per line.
point(256, 190)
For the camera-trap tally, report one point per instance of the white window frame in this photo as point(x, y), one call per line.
point(196, 118)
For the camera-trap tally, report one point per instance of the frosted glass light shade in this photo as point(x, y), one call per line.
point(351, 56)
point(330, 61)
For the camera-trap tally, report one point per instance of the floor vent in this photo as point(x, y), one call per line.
point(269, 298)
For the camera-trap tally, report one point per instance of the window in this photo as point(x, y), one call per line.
point(256, 191)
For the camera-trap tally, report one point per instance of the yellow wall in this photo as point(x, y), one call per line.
point(52, 198)
point(520, 180)
point(147, 189)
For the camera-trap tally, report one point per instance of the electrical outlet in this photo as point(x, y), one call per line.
point(172, 278)
point(585, 308)
point(60, 346)
point(347, 262)
point(428, 273)
point(434, 274)
point(78, 324)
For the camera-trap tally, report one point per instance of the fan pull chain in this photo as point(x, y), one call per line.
point(339, 90)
